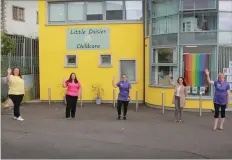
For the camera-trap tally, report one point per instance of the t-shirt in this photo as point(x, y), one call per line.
point(124, 89)
point(220, 96)
point(73, 88)
point(16, 85)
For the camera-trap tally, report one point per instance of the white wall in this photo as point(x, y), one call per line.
point(29, 28)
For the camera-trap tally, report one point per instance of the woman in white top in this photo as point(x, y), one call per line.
point(179, 97)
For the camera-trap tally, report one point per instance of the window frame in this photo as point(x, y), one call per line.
point(18, 8)
point(156, 65)
point(136, 68)
point(66, 61)
point(37, 17)
point(66, 21)
point(100, 60)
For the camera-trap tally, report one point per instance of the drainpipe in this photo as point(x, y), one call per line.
point(144, 49)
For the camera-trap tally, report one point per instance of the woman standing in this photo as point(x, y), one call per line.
point(179, 97)
point(16, 90)
point(123, 96)
point(221, 98)
point(73, 91)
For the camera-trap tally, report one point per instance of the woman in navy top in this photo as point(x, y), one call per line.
point(123, 96)
point(221, 97)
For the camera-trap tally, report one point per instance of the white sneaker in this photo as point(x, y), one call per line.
point(20, 118)
point(15, 118)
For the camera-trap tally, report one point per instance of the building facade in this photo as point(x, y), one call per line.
point(147, 40)
point(20, 17)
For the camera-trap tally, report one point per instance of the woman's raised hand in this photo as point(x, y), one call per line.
point(206, 71)
point(64, 79)
point(9, 70)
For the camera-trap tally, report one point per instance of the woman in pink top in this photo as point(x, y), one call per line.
point(72, 93)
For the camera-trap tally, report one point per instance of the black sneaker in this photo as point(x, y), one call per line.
point(119, 118)
point(124, 118)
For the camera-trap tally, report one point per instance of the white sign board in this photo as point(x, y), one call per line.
point(227, 71)
point(194, 90)
point(229, 78)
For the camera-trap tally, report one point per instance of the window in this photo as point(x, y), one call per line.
point(114, 10)
point(165, 8)
point(164, 62)
point(225, 21)
point(134, 10)
point(128, 67)
point(18, 13)
point(105, 60)
point(198, 4)
point(37, 17)
point(94, 11)
point(75, 11)
point(165, 25)
point(225, 5)
point(56, 12)
point(196, 21)
point(195, 61)
point(71, 61)
point(225, 38)
point(224, 57)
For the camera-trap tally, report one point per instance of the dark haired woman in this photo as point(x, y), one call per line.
point(124, 95)
point(73, 91)
point(16, 90)
point(179, 97)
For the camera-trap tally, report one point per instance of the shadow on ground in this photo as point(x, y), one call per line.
point(95, 133)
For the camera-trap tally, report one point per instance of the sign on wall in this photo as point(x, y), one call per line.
point(88, 38)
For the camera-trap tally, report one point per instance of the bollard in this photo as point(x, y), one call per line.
point(200, 104)
point(49, 96)
point(114, 102)
point(163, 102)
point(81, 99)
point(137, 102)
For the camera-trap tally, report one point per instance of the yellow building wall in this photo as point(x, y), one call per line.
point(153, 95)
point(126, 42)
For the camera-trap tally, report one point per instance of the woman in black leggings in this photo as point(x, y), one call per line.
point(124, 95)
point(221, 98)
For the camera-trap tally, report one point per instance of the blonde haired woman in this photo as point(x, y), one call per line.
point(221, 98)
point(179, 97)
point(16, 90)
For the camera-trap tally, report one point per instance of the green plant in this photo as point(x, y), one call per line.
point(97, 89)
point(8, 44)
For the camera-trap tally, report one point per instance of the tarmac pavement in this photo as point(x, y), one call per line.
point(96, 134)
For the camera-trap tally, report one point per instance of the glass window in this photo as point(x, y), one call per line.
point(164, 8)
point(195, 61)
point(225, 21)
point(114, 10)
point(166, 55)
point(134, 10)
point(198, 4)
point(56, 12)
point(225, 38)
point(224, 57)
point(225, 5)
point(168, 39)
point(94, 11)
point(128, 67)
point(75, 11)
point(71, 61)
point(165, 25)
point(192, 22)
point(198, 38)
point(105, 60)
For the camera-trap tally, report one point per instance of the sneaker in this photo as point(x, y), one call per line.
point(73, 117)
point(20, 118)
point(119, 117)
point(124, 118)
point(68, 118)
point(15, 118)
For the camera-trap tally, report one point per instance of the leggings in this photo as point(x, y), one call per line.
point(223, 110)
point(17, 100)
point(71, 106)
point(119, 106)
point(178, 109)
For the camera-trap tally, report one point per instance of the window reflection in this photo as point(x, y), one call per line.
point(198, 4)
point(114, 10)
point(225, 5)
point(225, 21)
point(134, 10)
point(94, 11)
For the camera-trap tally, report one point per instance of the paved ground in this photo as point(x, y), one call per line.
point(96, 133)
